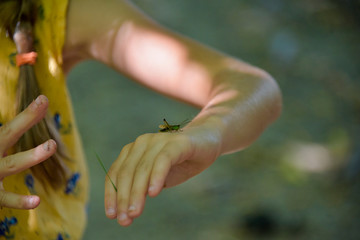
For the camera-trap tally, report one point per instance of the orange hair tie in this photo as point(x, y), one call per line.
point(26, 58)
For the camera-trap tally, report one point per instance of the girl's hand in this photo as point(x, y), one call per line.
point(146, 166)
point(12, 164)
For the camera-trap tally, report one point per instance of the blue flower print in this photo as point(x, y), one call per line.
point(62, 128)
point(29, 181)
point(62, 236)
point(59, 237)
point(71, 183)
point(57, 120)
point(5, 227)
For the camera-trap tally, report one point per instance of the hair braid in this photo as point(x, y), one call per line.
point(52, 170)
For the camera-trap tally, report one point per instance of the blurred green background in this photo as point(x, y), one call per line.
point(300, 180)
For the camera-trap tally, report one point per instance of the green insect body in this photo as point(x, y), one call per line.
point(103, 167)
point(170, 128)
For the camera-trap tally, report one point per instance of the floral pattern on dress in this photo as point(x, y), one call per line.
point(12, 59)
point(5, 226)
point(72, 183)
point(29, 182)
point(62, 236)
point(57, 120)
point(63, 129)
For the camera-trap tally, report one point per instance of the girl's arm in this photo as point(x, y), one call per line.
point(238, 101)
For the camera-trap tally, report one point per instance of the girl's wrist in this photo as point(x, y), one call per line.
point(206, 141)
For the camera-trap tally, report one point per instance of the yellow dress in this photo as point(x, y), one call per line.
point(61, 213)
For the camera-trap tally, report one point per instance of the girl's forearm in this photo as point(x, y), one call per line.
point(241, 107)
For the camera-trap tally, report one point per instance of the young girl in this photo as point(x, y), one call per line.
point(41, 150)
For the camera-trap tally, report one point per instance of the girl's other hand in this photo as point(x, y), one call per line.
point(12, 164)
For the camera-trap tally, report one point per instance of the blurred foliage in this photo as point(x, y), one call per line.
point(300, 180)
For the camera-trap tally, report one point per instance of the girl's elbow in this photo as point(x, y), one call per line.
point(272, 96)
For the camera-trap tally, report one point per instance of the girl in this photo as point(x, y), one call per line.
point(41, 40)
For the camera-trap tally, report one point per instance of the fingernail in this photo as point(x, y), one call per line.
point(122, 217)
point(38, 101)
point(151, 188)
point(110, 211)
point(132, 208)
point(31, 201)
point(46, 146)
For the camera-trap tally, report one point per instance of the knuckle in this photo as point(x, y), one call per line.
point(121, 169)
point(9, 163)
point(3, 198)
point(143, 166)
point(160, 137)
point(5, 130)
point(165, 155)
point(122, 202)
point(144, 138)
point(115, 175)
point(140, 140)
point(122, 174)
point(6, 201)
point(111, 176)
point(111, 173)
point(146, 135)
point(127, 147)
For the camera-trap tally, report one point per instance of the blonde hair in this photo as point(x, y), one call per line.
point(18, 18)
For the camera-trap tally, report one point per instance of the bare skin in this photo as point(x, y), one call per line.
point(238, 101)
point(12, 164)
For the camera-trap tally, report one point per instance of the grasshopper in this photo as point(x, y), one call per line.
point(171, 128)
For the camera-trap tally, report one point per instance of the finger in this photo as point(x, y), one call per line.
point(110, 198)
point(125, 179)
point(110, 192)
point(141, 181)
point(170, 155)
point(13, 130)
point(182, 172)
point(18, 162)
point(160, 170)
point(12, 200)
